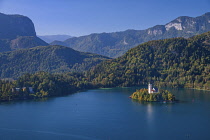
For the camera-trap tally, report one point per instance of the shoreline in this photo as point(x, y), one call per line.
point(82, 90)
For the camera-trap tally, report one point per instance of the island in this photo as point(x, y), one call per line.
point(153, 95)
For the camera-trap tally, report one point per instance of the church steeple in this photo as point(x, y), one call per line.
point(150, 88)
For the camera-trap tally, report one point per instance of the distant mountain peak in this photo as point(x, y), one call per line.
point(117, 43)
point(51, 38)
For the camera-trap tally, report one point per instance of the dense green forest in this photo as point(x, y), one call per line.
point(44, 85)
point(21, 42)
point(143, 95)
point(176, 62)
point(53, 59)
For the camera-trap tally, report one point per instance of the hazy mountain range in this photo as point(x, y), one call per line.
point(117, 43)
point(51, 38)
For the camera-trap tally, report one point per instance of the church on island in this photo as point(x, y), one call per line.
point(152, 89)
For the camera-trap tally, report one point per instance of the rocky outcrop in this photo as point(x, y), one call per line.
point(12, 26)
point(17, 32)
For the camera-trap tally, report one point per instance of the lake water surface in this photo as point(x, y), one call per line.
point(107, 114)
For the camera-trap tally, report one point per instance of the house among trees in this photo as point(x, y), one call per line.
point(24, 89)
point(17, 89)
point(152, 89)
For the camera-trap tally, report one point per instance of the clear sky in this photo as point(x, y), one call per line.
point(83, 17)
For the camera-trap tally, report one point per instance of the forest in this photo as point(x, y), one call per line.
point(52, 59)
point(44, 85)
point(176, 62)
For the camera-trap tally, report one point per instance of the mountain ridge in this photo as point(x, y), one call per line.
point(116, 44)
point(53, 59)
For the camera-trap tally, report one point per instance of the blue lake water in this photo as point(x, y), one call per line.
point(107, 114)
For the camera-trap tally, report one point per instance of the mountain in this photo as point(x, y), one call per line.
point(17, 32)
point(176, 62)
point(51, 38)
point(12, 26)
point(116, 44)
point(20, 42)
point(54, 59)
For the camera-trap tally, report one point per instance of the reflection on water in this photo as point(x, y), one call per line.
point(150, 115)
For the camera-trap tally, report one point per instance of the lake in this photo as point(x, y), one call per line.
point(107, 114)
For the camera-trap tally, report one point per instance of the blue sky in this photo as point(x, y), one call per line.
point(83, 17)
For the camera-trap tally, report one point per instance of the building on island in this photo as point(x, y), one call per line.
point(152, 89)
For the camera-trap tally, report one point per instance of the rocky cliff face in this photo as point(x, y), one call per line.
point(17, 32)
point(183, 26)
point(12, 26)
point(116, 44)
